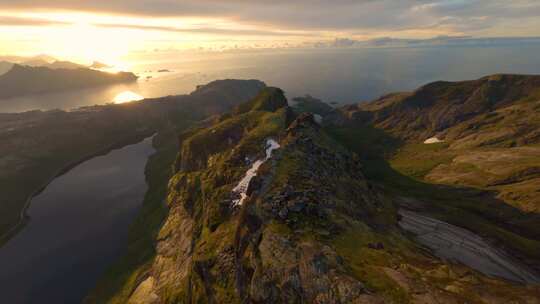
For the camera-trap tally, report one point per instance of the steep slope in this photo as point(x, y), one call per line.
point(463, 152)
point(24, 80)
point(441, 106)
point(36, 145)
point(485, 132)
point(312, 105)
point(312, 229)
point(5, 67)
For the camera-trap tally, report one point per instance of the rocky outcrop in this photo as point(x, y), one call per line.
point(270, 99)
point(457, 244)
point(311, 104)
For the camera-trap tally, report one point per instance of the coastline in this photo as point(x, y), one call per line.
point(23, 217)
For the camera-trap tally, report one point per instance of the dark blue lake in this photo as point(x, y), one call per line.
point(78, 226)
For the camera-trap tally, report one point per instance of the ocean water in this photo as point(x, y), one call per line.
point(335, 75)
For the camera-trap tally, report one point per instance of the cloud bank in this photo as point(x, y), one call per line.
point(359, 17)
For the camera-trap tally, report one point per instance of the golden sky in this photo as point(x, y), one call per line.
point(106, 30)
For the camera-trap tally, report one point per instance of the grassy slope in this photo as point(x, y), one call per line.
point(123, 277)
point(484, 177)
point(400, 174)
point(120, 279)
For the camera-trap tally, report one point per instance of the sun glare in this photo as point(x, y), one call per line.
point(127, 96)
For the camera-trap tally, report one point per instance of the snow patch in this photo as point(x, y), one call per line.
point(433, 140)
point(242, 186)
point(318, 118)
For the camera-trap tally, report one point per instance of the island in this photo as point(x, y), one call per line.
point(26, 80)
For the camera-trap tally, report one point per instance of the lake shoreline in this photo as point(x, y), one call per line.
point(23, 216)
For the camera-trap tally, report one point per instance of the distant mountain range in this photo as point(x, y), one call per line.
point(431, 42)
point(25, 80)
point(7, 62)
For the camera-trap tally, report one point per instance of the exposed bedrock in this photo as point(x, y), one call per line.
point(460, 245)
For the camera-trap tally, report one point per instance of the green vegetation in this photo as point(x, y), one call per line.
point(270, 99)
point(366, 263)
point(401, 174)
point(309, 104)
point(322, 220)
point(37, 146)
point(43, 145)
point(484, 173)
point(417, 160)
point(198, 190)
point(122, 277)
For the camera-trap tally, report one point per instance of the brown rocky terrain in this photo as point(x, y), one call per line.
point(316, 227)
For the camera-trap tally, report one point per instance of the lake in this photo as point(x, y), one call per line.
point(78, 226)
point(341, 75)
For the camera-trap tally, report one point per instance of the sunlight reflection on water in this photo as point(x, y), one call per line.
point(127, 96)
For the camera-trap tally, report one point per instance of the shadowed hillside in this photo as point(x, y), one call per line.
point(25, 80)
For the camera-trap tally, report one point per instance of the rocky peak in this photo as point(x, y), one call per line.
point(303, 121)
point(269, 99)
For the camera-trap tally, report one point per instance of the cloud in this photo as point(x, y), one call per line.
point(17, 21)
point(205, 30)
point(450, 16)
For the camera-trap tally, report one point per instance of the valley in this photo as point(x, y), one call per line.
point(37, 146)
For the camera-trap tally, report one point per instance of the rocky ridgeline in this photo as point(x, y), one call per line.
point(208, 253)
point(310, 186)
point(311, 229)
point(297, 198)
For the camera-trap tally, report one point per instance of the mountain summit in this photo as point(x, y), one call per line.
point(312, 224)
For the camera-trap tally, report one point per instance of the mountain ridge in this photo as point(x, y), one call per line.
point(439, 105)
point(317, 225)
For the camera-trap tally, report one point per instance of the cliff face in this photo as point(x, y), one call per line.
point(312, 229)
point(440, 107)
point(25, 80)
